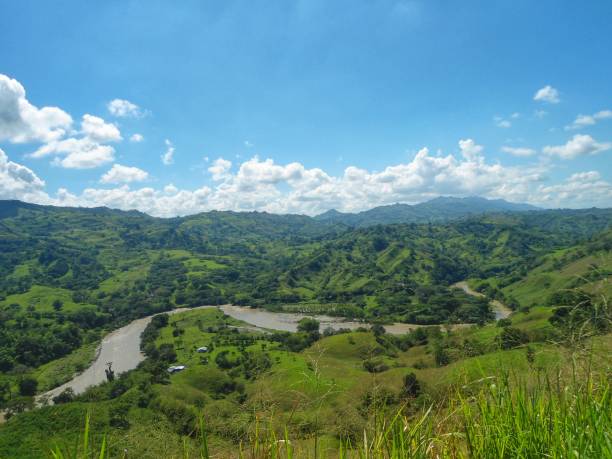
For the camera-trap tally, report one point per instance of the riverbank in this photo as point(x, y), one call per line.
point(122, 346)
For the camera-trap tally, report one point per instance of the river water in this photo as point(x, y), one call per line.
point(500, 309)
point(122, 347)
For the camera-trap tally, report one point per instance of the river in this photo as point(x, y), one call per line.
point(122, 347)
point(500, 309)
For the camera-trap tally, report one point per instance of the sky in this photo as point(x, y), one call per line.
point(301, 106)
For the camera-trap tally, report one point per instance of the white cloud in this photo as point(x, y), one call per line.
point(19, 182)
point(248, 144)
point(502, 123)
point(170, 189)
point(589, 120)
point(168, 157)
point(124, 174)
point(583, 189)
point(99, 130)
point(220, 168)
point(603, 115)
point(469, 149)
point(519, 151)
point(122, 108)
point(82, 153)
point(292, 188)
point(20, 121)
point(579, 145)
point(136, 138)
point(547, 94)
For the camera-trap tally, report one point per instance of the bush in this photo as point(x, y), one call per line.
point(64, 397)
point(411, 387)
point(441, 356)
point(308, 325)
point(28, 387)
point(375, 366)
point(512, 337)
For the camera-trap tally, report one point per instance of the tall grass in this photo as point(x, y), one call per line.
point(510, 420)
point(506, 418)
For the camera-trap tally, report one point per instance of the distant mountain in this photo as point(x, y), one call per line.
point(437, 210)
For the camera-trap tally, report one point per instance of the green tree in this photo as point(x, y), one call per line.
point(308, 325)
point(28, 386)
point(411, 386)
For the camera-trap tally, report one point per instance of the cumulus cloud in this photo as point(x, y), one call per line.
point(469, 149)
point(168, 156)
point(98, 130)
point(73, 153)
point(19, 182)
point(122, 108)
point(263, 184)
point(124, 174)
point(518, 151)
point(136, 138)
point(583, 189)
point(220, 169)
point(20, 121)
point(579, 145)
point(582, 121)
point(547, 94)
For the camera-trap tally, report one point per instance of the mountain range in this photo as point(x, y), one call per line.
point(436, 210)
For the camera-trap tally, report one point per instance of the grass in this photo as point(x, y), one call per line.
point(57, 372)
point(311, 404)
point(42, 298)
point(505, 418)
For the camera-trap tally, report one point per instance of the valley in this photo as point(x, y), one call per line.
point(313, 328)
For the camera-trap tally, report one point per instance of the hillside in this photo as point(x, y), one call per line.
point(437, 210)
point(69, 276)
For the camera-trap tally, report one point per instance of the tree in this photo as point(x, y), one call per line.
point(58, 304)
point(308, 325)
point(378, 329)
point(167, 353)
point(67, 395)
point(441, 356)
point(28, 386)
point(512, 337)
point(411, 387)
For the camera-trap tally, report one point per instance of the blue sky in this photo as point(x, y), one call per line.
point(302, 106)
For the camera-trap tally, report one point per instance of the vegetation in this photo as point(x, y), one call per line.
point(536, 381)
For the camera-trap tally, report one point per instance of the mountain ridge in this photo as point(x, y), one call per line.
point(440, 209)
point(437, 209)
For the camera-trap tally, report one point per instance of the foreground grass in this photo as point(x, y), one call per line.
point(504, 418)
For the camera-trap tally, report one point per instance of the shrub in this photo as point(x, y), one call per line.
point(308, 325)
point(375, 366)
point(67, 395)
point(28, 387)
point(411, 386)
point(512, 337)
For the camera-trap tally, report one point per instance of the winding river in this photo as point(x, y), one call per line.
point(122, 346)
point(500, 309)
